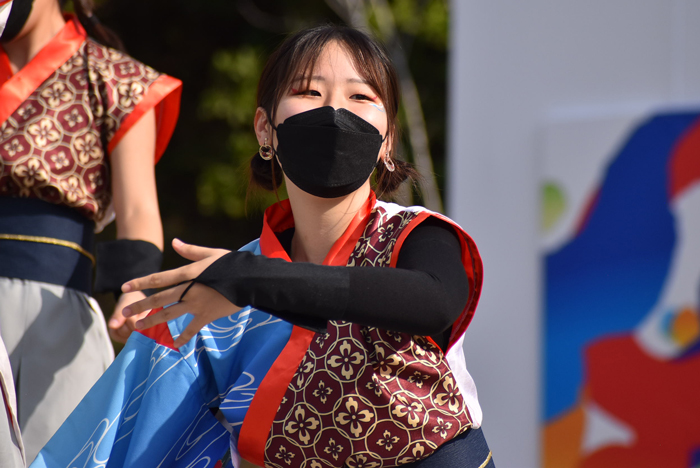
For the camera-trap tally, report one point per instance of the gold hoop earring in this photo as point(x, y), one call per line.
point(389, 163)
point(265, 151)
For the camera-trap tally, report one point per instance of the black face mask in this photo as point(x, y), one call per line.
point(326, 152)
point(18, 17)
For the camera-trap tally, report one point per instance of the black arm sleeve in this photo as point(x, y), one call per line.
point(423, 295)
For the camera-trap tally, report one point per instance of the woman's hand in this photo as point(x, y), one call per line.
point(203, 302)
point(119, 326)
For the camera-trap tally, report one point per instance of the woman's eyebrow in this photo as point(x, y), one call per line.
point(322, 78)
point(313, 78)
point(357, 80)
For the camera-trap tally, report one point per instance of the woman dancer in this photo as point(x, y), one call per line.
point(333, 340)
point(81, 125)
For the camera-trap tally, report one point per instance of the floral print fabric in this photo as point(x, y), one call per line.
point(365, 397)
point(53, 146)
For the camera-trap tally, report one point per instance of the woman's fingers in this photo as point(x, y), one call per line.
point(161, 299)
point(191, 330)
point(119, 326)
point(202, 302)
point(201, 256)
point(195, 252)
point(164, 315)
point(120, 335)
point(163, 279)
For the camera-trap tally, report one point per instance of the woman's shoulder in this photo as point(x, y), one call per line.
point(417, 216)
point(113, 65)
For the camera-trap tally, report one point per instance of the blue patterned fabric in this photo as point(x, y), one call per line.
point(155, 406)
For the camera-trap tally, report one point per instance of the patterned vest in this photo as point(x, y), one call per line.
point(53, 144)
point(365, 397)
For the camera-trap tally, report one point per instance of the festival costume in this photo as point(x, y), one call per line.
point(60, 116)
point(11, 446)
point(283, 395)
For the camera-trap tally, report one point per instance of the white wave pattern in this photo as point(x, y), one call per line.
point(155, 406)
point(212, 350)
point(126, 417)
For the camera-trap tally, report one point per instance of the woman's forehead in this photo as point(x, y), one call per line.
point(334, 57)
point(331, 53)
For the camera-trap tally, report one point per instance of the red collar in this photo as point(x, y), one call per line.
point(279, 217)
point(15, 89)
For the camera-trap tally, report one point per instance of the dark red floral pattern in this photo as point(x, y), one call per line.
point(53, 146)
point(364, 397)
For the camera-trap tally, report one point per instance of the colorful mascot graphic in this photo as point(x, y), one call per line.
point(623, 311)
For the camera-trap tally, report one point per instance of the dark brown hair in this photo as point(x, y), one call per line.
point(297, 56)
point(95, 29)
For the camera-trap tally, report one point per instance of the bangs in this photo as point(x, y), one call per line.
point(368, 60)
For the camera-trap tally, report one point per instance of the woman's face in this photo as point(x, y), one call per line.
point(335, 83)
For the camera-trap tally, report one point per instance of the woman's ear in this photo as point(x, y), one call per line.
point(263, 129)
point(387, 145)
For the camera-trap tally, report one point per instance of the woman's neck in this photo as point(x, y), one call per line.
point(319, 222)
point(22, 50)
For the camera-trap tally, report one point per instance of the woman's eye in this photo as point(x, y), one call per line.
point(362, 97)
point(305, 92)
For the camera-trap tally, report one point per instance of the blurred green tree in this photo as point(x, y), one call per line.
point(231, 97)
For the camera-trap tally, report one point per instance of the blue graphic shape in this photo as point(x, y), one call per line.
point(610, 275)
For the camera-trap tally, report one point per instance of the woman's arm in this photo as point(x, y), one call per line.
point(135, 203)
point(423, 295)
point(429, 278)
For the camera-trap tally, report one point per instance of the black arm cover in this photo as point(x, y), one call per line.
point(423, 295)
point(122, 260)
point(273, 285)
